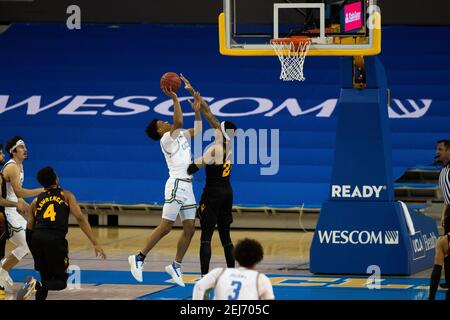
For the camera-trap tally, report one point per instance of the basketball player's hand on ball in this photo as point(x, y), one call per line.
point(99, 252)
point(169, 93)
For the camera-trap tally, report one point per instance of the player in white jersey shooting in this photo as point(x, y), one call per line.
point(244, 283)
point(13, 174)
point(179, 195)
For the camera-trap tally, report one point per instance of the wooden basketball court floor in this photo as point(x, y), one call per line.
point(286, 262)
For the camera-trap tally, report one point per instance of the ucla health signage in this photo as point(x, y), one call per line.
point(422, 243)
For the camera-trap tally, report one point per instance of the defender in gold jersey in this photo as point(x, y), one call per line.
point(216, 204)
point(46, 236)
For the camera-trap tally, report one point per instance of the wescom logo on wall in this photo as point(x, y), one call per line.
point(359, 237)
point(109, 105)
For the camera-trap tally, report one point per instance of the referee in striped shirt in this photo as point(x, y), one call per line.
point(443, 157)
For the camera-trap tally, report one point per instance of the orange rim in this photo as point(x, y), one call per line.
point(294, 39)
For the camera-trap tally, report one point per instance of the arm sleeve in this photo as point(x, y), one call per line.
point(266, 289)
point(205, 283)
point(168, 144)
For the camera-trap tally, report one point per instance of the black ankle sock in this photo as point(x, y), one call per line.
point(434, 280)
point(141, 256)
point(447, 269)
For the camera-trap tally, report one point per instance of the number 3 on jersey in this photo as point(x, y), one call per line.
point(237, 288)
point(226, 168)
point(50, 212)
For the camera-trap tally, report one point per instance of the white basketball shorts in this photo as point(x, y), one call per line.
point(179, 198)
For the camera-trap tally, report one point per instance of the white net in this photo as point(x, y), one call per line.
point(292, 57)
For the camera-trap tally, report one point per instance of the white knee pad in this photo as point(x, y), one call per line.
point(21, 249)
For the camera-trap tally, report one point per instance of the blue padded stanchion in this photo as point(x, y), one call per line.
point(361, 224)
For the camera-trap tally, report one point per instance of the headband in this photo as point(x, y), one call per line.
point(18, 143)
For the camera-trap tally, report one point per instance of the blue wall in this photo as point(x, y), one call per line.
point(108, 158)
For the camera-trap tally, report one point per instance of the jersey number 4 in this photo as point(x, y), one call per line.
point(50, 212)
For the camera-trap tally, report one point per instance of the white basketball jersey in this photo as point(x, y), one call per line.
point(235, 284)
point(10, 194)
point(177, 153)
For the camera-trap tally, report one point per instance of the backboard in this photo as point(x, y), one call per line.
point(336, 27)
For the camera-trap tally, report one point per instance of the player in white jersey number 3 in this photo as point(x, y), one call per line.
point(179, 195)
point(244, 283)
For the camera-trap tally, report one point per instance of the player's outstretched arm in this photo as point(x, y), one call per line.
point(187, 85)
point(204, 107)
point(198, 125)
point(12, 172)
point(75, 210)
point(210, 117)
point(177, 113)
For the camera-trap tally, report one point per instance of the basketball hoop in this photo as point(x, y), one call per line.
point(291, 52)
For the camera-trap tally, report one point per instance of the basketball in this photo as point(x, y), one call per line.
point(170, 80)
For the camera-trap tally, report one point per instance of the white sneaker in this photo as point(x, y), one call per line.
point(136, 267)
point(5, 279)
point(175, 273)
point(27, 289)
